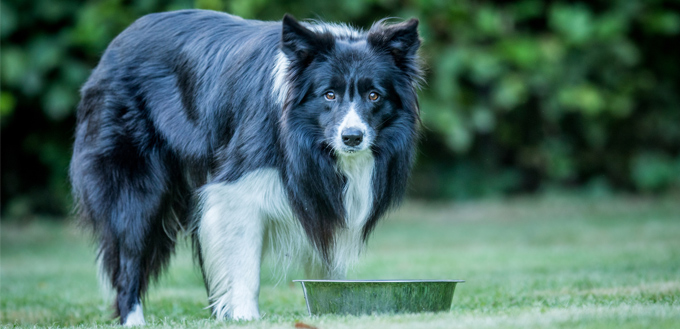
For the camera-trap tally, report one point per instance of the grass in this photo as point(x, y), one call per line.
point(529, 263)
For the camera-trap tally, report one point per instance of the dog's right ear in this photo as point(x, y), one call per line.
point(300, 43)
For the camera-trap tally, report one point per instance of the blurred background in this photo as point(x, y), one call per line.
point(522, 96)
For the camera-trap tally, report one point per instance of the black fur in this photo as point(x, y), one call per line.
point(182, 96)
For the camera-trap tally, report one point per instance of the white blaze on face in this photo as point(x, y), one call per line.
point(352, 120)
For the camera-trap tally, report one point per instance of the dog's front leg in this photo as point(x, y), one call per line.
point(230, 234)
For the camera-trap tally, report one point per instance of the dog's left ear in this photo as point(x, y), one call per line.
point(300, 43)
point(401, 40)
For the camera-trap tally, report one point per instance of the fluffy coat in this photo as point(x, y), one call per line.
point(242, 132)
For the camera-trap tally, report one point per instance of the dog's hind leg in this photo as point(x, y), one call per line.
point(128, 212)
point(145, 246)
point(230, 233)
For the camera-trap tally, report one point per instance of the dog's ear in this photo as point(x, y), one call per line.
point(300, 43)
point(400, 40)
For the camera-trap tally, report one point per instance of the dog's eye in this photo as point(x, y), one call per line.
point(373, 96)
point(329, 96)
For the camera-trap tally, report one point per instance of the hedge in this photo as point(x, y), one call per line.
point(522, 96)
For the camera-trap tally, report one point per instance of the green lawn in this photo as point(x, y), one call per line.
point(529, 263)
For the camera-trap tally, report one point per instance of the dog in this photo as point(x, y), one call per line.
point(288, 136)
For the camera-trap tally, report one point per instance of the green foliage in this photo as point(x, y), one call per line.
point(522, 95)
point(560, 91)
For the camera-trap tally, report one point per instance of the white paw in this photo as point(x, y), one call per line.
point(245, 313)
point(135, 317)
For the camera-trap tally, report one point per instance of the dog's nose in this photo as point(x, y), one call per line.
point(352, 136)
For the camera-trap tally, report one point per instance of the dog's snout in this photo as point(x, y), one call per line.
point(352, 136)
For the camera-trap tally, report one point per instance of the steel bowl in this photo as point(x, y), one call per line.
point(377, 296)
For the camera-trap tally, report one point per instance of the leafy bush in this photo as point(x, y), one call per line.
point(531, 94)
point(522, 95)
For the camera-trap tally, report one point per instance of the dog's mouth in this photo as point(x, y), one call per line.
point(342, 149)
point(351, 151)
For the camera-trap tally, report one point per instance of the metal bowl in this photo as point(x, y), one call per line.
point(377, 296)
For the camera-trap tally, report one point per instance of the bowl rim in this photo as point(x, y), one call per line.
point(379, 281)
point(304, 287)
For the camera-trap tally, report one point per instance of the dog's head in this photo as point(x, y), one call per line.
point(347, 86)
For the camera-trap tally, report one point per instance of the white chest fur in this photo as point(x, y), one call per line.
point(358, 201)
point(358, 194)
point(242, 219)
point(286, 239)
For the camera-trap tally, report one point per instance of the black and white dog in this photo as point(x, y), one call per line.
point(254, 136)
